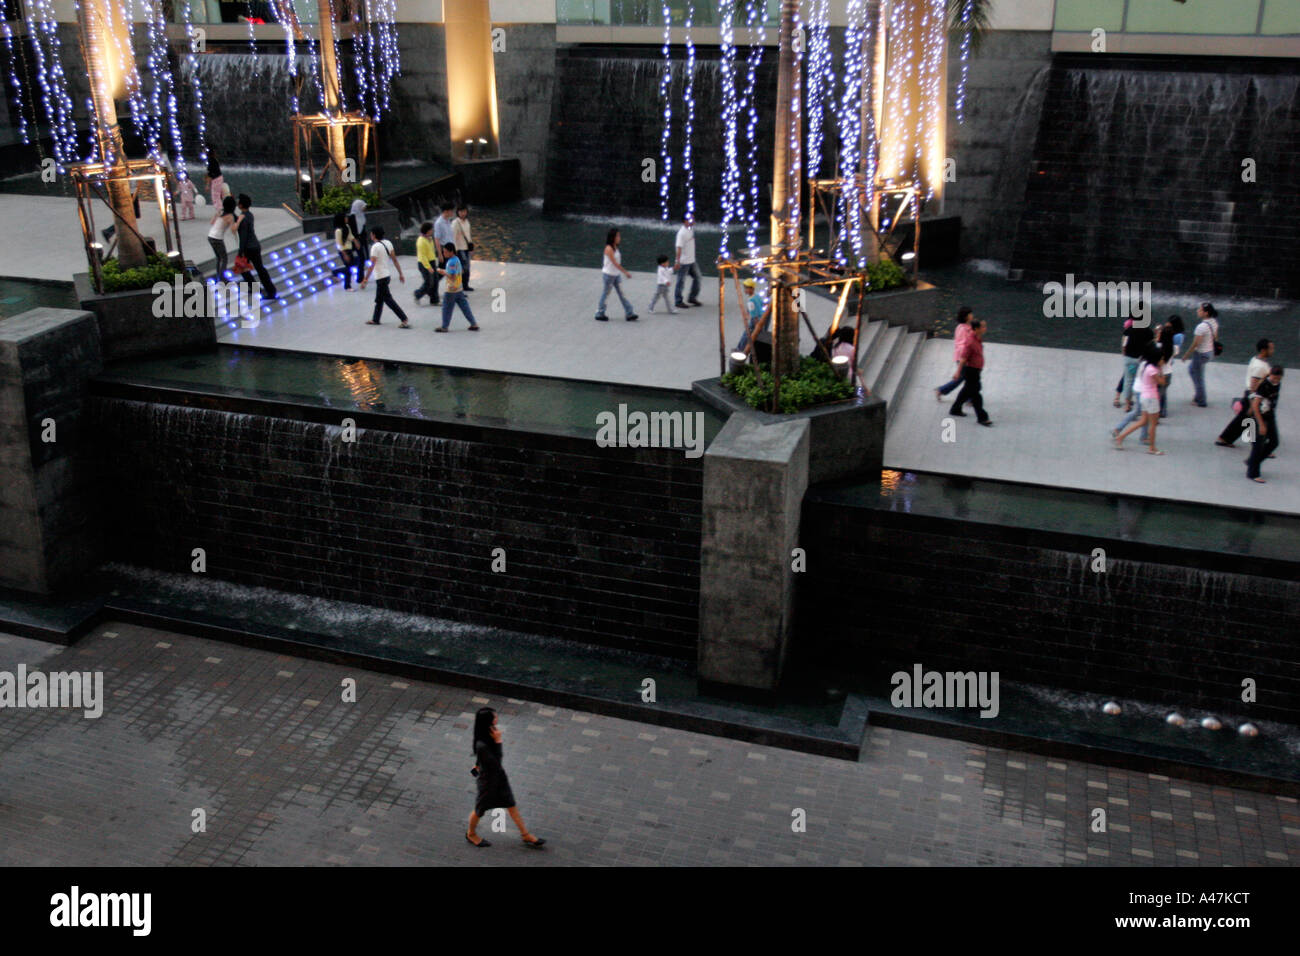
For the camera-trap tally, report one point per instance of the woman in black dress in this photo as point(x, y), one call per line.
point(493, 785)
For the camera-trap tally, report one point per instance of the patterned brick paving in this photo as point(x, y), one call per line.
point(289, 774)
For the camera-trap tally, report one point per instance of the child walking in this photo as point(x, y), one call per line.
point(663, 276)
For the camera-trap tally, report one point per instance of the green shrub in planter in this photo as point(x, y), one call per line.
point(814, 384)
point(338, 199)
point(158, 269)
point(885, 274)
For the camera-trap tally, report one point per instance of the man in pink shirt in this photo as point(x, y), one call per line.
point(958, 337)
point(970, 365)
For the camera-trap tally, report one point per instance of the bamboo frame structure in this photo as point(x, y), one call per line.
point(804, 271)
point(824, 193)
point(311, 134)
point(93, 181)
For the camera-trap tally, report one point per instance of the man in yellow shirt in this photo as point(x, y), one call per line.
point(427, 262)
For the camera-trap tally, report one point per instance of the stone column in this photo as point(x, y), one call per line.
point(755, 476)
point(48, 530)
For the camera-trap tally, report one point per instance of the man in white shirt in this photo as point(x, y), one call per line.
point(1256, 372)
point(442, 234)
point(1201, 351)
point(383, 259)
point(686, 263)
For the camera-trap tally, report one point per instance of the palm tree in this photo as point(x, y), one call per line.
point(970, 17)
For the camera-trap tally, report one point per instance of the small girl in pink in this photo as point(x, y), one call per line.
point(187, 194)
point(1150, 378)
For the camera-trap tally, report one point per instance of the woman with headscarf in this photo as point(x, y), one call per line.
point(357, 223)
point(493, 785)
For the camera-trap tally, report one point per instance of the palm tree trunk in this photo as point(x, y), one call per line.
point(96, 35)
point(330, 90)
point(785, 198)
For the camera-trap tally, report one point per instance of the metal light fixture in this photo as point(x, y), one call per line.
point(735, 362)
point(840, 364)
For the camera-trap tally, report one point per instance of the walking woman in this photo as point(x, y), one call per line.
point(345, 244)
point(217, 188)
point(249, 246)
point(1150, 375)
point(493, 785)
point(223, 219)
point(612, 271)
point(357, 223)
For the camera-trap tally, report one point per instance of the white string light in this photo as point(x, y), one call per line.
point(756, 16)
point(731, 165)
point(688, 93)
point(665, 138)
point(821, 82)
point(966, 13)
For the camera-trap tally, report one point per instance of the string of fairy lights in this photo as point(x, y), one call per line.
point(827, 99)
point(42, 89)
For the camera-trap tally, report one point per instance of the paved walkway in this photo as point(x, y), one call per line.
point(1052, 418)
point(543, 324)
point(52, 244)
point(288, 774)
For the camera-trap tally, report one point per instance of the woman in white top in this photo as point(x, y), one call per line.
point(612, 271)
point(222, 219)
point(463, 236)
point(1204, 337)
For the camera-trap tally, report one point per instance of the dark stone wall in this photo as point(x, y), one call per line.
point(1006, 80)
point(417, 126)
point(887, 590)
point(49, 530)
point(602, 545)
point(525, 72)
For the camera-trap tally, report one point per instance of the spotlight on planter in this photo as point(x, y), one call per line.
point(366, 182)
point(735, 362)
point(841, 365)
point(908, 256)
point(305, 177)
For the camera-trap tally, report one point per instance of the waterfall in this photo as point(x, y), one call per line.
point(1148, 172)
point(246, 102)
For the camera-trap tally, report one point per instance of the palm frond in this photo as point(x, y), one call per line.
point(972, 17)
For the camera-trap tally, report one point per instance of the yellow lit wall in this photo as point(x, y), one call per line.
point(913, 129)
point(471, 78)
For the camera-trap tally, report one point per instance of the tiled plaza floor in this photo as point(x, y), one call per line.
point(288, 774)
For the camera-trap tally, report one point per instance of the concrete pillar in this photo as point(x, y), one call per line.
point(755, 476)
point(48, 531)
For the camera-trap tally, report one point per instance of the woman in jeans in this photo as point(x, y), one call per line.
point(249, 247)
point(223, 219)
point(345, 244)
point(464, 236)
point(1201, 351)
point(612, 271)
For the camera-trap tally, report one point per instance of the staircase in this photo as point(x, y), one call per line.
point(886, 354)
point(298, 269)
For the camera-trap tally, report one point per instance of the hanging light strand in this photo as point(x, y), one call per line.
point(665, 135)
point(688, 94)
point(756, 16)
point(966, 14)
point(196, 87)
point(820, 82)
point(731, 166)
point(849, 203)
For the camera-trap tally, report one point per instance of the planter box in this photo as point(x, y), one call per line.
point(128, 327)
point(385, 216)
point(916, 309)
point(846, 439)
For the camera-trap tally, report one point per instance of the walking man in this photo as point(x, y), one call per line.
point(970, 366)
point(1263, 407)
point(382, 261)
point(686, 264)
point(442, 234)
point(1204, 339)
point(1256, 372)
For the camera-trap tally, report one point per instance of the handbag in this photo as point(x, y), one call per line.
point(242, 264)
point(469, 247)
point(1218, 346)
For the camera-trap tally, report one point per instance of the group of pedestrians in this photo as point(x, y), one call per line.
point(443, 254)
point(684, 266)
point(231, 215)
point(1149, 355)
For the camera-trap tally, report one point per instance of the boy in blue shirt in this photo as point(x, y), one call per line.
point(454, 295)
